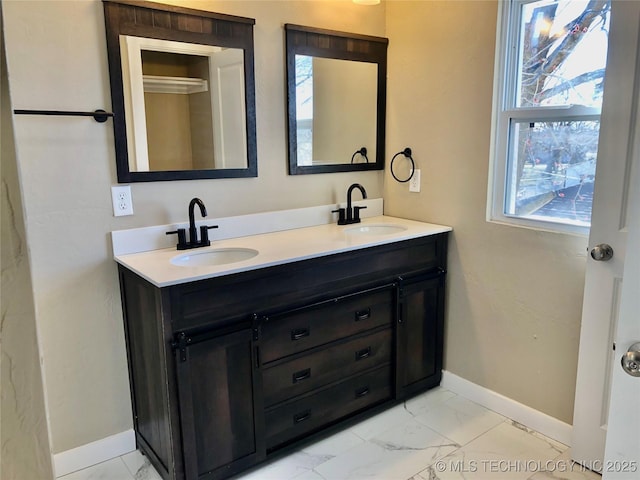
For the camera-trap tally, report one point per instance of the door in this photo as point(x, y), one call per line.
point(622, 452)
point(610, 223)
point(217, 392)
point(420, 334)
point(229, 112)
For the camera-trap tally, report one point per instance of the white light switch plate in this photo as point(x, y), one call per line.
point(414, 183)
point(122, 202)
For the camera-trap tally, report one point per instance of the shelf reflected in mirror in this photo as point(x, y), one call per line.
point(183, 92)
point(187, 105)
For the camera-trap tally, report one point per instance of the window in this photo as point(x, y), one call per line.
point(304, 109)
point(550, 74)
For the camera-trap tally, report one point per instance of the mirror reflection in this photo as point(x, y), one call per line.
point(187, 105)
point(183, 92)
point(336, 93)
point(335, 110)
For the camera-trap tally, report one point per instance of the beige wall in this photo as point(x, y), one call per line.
point(514, 295)
point(168, 131)
point(24, 437)
point(56, 55)
point(345, 100)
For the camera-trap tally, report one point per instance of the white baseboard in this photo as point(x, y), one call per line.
point(94, 453)
point(531, 418)
point(124, 442)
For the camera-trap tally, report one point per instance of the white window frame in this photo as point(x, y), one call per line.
point(505, 113)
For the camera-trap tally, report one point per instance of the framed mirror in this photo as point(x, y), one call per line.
point(183, 92)
point(336, 100)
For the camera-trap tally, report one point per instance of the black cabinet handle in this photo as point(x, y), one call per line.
point(299, 333)
point(364, 353)
point(302, 416)
point(363, 314)
point(361, 392)
point(301, 375)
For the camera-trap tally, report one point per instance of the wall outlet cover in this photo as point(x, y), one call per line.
point(122, 201)
point(414, 183)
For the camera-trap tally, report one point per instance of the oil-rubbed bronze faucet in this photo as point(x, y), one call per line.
point(193, 232)
point(351, 214)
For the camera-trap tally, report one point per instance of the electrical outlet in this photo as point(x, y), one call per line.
point(414, 183)
point(122, 202)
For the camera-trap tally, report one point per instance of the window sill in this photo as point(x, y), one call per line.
point(541, 225)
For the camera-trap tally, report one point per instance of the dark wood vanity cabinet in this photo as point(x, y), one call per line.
point(230, 371)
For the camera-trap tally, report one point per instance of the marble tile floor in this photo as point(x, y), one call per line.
point(435, 436)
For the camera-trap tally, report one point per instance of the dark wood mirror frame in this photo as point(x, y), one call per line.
point(316, 42)
point(167, 22)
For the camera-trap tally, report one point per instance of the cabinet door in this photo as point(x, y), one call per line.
point(420, 334)
point(217, 386)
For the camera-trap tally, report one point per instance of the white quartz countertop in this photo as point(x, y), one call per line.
point(274, 248)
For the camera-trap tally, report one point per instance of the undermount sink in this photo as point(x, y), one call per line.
point(384, 229)
point(219, 256)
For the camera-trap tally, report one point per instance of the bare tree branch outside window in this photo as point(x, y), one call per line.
point(561, 62)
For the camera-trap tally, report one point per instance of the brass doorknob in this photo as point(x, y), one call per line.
point(631, 360)
point(602, 252)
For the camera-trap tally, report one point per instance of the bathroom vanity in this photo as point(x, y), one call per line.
point(232, 364)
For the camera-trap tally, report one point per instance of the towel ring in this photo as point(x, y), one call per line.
point(407, 153)
point(363, 152)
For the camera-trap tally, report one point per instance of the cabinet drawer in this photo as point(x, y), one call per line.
point(303, 374)
point(294, 419)
point(301, 329)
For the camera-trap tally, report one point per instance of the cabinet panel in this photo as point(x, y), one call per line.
point(296, 418)
point(325, 322)
point(147, 348)
point(216, 387)
point(420, 334)
point(328, 365)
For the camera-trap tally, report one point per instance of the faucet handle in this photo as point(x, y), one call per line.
point(356, 214)
point(204, 235)
point(182, 237)
point(341, 216)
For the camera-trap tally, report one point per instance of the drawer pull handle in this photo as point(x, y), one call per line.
point(299, 333)
point(301, 375)
point(301, 417)
point(363, 314)
point(364, 353)
point(361, 392)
